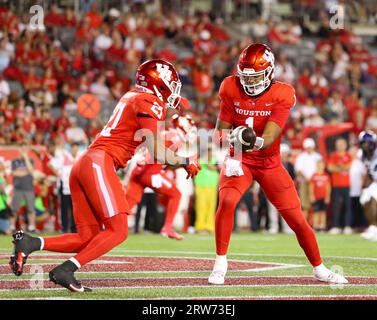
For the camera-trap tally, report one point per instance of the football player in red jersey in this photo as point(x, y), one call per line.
point(254, 99)
point(99, 204)
point(154, 176)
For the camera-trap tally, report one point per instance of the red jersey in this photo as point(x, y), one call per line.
point(320, 183)
point(340, 179)
point(239, 109)
point(123, 132)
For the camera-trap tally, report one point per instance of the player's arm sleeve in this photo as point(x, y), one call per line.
point(226, 109)
point(283, 108)
point(148, 123)
point(149, 116)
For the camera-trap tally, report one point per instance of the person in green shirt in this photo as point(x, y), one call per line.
point(5, 211)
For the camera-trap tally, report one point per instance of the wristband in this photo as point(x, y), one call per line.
point(258, 143)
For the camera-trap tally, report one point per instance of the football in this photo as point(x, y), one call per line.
point(243, 138)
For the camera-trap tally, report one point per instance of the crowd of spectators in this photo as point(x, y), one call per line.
point(44, 69)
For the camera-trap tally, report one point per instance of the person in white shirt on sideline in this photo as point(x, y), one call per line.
point(358, 173)
point(63, 165)
point(305, 167)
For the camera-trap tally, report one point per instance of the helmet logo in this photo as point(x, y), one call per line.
point(268, 56)
point(164, 72)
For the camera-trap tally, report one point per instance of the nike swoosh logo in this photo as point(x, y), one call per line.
point(268, 104)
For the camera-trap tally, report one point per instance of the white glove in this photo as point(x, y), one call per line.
point(233, 168)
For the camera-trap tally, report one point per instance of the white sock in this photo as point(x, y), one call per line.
point(221, 263)
point(320, 267)
point(78, 265)
point(42, 243)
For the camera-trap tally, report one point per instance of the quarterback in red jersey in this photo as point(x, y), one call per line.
point(99, 205)
point(254, 99)
point(154, 176)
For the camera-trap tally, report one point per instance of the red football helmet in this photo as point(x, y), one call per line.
point(160, 78)
point(256, 68)
point(185, 126)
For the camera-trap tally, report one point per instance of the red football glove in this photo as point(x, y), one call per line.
point(192, 169)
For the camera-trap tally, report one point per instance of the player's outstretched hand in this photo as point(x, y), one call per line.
point(192, 169)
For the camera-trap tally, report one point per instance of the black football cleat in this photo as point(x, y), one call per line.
point(23, 246)
point(64, 275)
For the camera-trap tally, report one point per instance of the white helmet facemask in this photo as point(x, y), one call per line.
point(253, 82)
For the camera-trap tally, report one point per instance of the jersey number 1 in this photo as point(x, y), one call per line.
point(250, 122)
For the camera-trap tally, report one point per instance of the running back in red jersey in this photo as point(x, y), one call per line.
point(136, 115)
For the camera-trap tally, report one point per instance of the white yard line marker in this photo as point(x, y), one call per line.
point(260, 297)
point(243, 254)
point(195, 286)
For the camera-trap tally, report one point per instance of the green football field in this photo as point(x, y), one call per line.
point(149, 266)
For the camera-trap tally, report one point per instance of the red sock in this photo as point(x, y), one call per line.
point(71, 242)
point(116, 231)
point(229, 199)
point(172, 207)
point(305, 235)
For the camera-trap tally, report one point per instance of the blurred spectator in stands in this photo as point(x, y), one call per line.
point(100, 89)
point(371, 123)
point(102, 42)
point(41, 98)
point(95, 18)
point(274, 35)
point(293, 32)
point(4, 88)
point(273, 214)
point(6, 52)
point(339, 165)
point(317, 79)
point(310, 114)
point(336, 108)
point(305, 167)
point(23, 189)
point(43, 122)
point(62, 120)
point(260, 29)
point(116, 53)
point(31, 81)
point(358, 173)
point(320, 195)
point(340, 58)
point(284, 70)
point(39, 138)
point(74, 133)
point(203, 86)
point(117, 90)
